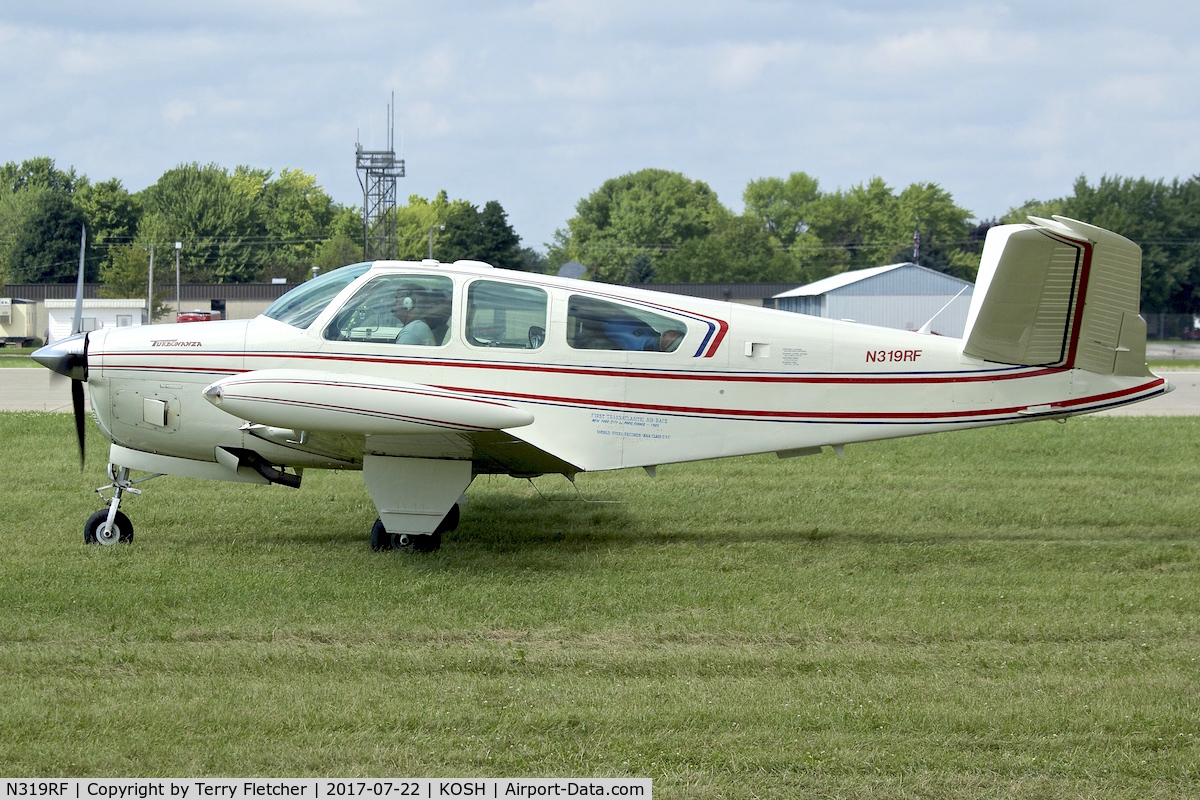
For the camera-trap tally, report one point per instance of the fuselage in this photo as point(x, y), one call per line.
point(740, 380)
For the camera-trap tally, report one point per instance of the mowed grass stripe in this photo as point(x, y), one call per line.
point(998, 612)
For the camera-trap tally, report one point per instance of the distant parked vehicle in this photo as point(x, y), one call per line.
point(198, 316)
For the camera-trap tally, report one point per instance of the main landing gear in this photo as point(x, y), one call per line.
point(419, 543)
point(417, 499)
point(110, 525)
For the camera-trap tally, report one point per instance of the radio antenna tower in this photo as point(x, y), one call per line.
point(377, 174)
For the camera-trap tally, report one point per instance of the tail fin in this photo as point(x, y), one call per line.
point(1058, 293)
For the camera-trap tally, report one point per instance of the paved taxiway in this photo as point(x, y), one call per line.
point(35, 389)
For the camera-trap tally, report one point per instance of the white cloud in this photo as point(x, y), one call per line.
point(576, 16)
point(738, 65)
point(590, 85)
point(947, 47)
point(537, 103)
point(177, 111)
point(1134, 92)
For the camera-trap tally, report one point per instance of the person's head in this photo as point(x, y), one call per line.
point(408, 303)
point(669, 340)
point(437, 312)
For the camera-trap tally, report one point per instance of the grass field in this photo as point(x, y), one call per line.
point(17, 357)
point(1005, 612)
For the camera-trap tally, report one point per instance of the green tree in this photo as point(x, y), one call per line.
point(558, 251)
point(216, 215)
point(859, 228)
point(1156, 215)
point(24, 220)
point(416, 222)
point(14, 207)
point(343, 242)
point(126, 273)
point(337, 251)
point(459, 231)
point(653, 212)
point(736, 250)
point(112, 215)
point(1185, 206)
point(782, 205)
point(641, 270)
point(944, 228)
point(458, 235)
point(297, 214)
point(533, 261)
point(1033, 208)
point(1163, 218)
point(45, 244)
point(497, 244)
point(823, 233)
point(37, 173)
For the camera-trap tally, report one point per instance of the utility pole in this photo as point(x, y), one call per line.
point(433, 228)
point(178, 247)
point(150, 291)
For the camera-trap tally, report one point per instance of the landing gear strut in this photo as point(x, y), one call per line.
point(110, 526)
point(420, 543)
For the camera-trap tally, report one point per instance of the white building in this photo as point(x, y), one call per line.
point(97, 313)
point(903, 296)
point(18, 322)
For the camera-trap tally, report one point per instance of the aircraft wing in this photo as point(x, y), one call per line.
point(345, 415)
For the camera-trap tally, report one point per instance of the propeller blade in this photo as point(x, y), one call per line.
point(77, 404)
point(68, 357)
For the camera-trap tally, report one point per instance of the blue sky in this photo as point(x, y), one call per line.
point(535, 104)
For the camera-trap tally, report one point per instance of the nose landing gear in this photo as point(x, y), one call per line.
point(100, 530)
point(111, 526)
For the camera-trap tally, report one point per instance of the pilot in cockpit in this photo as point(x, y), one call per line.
point(409, 308)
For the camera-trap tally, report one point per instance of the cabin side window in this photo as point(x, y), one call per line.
point(506, 315)
point(397, 309)
point(600, 325)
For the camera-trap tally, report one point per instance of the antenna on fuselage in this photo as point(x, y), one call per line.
point(928, 325)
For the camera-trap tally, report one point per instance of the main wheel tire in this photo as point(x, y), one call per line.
point(122, 529)
point(426, 543)
point(450, 521)
point(381, 540)
point(430, 542)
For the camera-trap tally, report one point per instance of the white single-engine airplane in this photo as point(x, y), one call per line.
point(424, 375)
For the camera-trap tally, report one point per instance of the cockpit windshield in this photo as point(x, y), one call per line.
point(302, 305)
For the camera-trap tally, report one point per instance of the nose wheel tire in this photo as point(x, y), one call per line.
point(94, 533)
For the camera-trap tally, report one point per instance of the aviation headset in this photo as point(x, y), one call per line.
point(409, 299)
